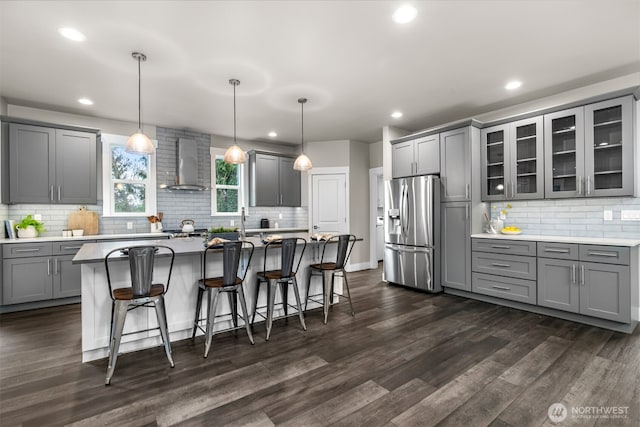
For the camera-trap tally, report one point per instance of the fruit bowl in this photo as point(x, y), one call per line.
point(511, 230)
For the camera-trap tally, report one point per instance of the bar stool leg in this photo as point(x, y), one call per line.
point(198, 307)
point(120, 313)
point(326, 293)
point(294, 282)
point(255, 301)
point(211, 316)
point(273, 285)
point(306, 298)
point(233, 305)
point(161, 314)
point(243, 307)
point(346, 285)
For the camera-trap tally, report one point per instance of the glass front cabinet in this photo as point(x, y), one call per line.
point(512, 159)
point(589, 150)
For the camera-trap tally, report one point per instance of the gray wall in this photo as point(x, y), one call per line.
point(328, 153)
point(359, 199)
point(375, 155)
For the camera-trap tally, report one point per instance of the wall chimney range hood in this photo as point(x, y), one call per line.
point(186, 167)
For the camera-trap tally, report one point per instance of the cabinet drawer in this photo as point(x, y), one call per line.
point(500, 246)
point(504, 287)
point(558, 250)
point(520, 267)
point(604, 254)
point(21, 250)
point(69, 248)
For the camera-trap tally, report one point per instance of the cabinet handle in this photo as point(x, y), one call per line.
point(573, 273)
point(27, 250)
point(501, 246)
point(466, 211)
point(58, 193)
point(51, 193)
point(502, 288)
point(559, 251)
point(55, 266)
point(499, 264)
point(607, 254)
point(48, 266)
point(68, 248)
point(513, 190)
point(588, 185)
point(466, 191)
point(582, 275)
point(579, 186)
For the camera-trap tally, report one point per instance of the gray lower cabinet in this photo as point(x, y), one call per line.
point(455, 245)
point(272, 180)
point(50, 165)
point(577, 285)
point(26, 280)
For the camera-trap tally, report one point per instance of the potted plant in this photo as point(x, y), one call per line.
point(223, 233)
point(29, 227)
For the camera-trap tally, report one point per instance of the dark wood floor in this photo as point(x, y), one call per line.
point(407, 358)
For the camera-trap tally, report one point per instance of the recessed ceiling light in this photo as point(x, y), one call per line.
point(272, 134)
point(404, 14)
point(72, 34)
point(85, 101)
point(514, 84)
point(396, 114)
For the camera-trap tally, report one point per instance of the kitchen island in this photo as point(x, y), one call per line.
point(180, 299)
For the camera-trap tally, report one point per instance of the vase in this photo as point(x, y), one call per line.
point(26, 233)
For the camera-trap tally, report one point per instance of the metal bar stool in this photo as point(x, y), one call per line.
point(229, 283)
point(142, 293)
point(324, 269)
point(285, 276)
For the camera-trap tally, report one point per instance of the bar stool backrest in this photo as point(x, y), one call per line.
point(288, 265)
point(345, 246)
point(231, 252)
point(141, 265)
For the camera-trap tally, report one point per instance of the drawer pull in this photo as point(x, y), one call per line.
point(502, 288)
point(607, 254)
point(68, 248)
point(27, 250)
point(498, 264)
point(558, 251)
point(501, 246)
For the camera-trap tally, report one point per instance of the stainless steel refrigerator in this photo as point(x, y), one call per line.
point(412, 232)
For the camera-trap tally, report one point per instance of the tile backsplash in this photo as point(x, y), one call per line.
point(175, 206)
point(571, 217)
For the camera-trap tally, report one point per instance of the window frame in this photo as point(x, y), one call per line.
point(218, 153)
point(108, 209)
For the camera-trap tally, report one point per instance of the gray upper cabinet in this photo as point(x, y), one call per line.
point(608, 160)
point(512, 160)
point(455, 165)
point(272, 180)
point(416, 157)
point(589, 150)
point(455, 245)
point(51, 165)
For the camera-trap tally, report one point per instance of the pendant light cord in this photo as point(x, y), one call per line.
point(234, 113)
point(139, 98)
point(302, 128)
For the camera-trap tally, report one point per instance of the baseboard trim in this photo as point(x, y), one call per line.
point(38, 304)
point(359, 267)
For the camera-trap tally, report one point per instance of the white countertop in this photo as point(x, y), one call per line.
point(605, 241)
point(277, 230)
point(132, 236)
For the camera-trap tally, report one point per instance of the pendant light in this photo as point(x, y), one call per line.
point(139, 143)
point(234, 154)
point(302, 163)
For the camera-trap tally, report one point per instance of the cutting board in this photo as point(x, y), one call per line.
point(85, 220)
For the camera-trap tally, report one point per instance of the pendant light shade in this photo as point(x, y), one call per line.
point(302, 163)
point(139, 143)
point(234, 154)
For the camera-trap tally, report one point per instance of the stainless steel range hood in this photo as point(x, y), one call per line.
point(186, 167)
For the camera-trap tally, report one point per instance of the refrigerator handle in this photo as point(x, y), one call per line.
point(406, 211)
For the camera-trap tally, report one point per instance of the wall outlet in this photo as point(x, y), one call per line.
point(37, 217)
point(232, 222)
point(129, 225)
point(608, 215)
point(280, 215)
point(630, 215)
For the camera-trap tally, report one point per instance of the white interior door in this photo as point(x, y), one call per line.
point(329, 203)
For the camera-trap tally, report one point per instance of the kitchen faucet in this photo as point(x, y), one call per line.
point(243, 233)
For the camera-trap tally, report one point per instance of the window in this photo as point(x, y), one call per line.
point(128, 181)
point(227, 191)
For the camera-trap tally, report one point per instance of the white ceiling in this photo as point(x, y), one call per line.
point(349, 58)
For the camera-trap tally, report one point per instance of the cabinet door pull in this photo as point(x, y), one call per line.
point(573, 273)
point(69, 248)
point(502, 288)
point(48, 266)
point(513, 190)
point(55, 266)
point(51, 193)
point(27, 250)
point(582, 275)
point(501, 246)
point(466, 211)
point(607, 254)
point(58, 193)
point(579, 180)
point(499, 264)
point(466, 191)
point(558, 251)
point(588, 185)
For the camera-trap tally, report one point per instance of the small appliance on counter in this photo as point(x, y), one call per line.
point(264, 223)
point(187, 226)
